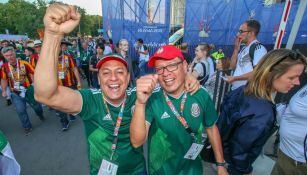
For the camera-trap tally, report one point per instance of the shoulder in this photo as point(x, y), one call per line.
point(258, 47)
point(202, 93)
point(90, 92)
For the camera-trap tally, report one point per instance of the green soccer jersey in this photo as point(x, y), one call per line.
point(3, 141)
point(168, 140)
point(99, 129)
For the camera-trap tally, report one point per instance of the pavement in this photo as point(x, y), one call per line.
point(49, 151)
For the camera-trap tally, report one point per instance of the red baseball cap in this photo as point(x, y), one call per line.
point(167, 52)
point(111, 56)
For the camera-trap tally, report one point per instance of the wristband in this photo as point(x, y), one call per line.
point(223, 164)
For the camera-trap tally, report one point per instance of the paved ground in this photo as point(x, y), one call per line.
point(49, 151)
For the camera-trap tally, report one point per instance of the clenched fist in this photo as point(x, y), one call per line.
point(144, 87)
point(61, 19)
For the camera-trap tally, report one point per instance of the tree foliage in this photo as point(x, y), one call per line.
point(21, 17)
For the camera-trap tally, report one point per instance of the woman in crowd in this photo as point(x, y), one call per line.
point(201, 67)
point(247, 116)
point(292, 154)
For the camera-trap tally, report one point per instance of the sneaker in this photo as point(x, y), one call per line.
point(72, 118)
point(65, 127)
point(8, 102)
point(28, 131)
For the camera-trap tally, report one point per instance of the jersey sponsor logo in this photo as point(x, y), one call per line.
point(132, 109)
point(195, 110)
point(107, 117)
point(165, 115)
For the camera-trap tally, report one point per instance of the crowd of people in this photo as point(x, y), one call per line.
point(124, 106)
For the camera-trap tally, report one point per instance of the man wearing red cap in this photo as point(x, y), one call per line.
point(173, 121)
point(106, 113)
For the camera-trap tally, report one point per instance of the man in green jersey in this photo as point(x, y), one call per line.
point(106, 113)
point(175, 121)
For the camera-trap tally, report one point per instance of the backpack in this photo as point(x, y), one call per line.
point(252, 49)
point(202, 79)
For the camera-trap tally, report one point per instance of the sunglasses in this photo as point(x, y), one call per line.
point(243, 31)
point(294, 55)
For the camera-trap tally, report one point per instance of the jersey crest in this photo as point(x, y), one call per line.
point(195, 110)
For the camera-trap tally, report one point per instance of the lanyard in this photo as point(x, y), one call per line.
point(180, 117)
point(18, 71)
point(63, 61)
point(117, 124)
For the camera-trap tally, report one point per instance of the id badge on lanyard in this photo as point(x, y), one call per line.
point(194, 151)
point(107, 168)
point(16, 85)
point(62, 73)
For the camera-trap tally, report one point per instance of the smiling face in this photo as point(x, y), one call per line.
point(114, 78)
point(124, 46)
point(288, 80)
point(172, 81)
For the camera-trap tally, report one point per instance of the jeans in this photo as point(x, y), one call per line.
point(21, 108)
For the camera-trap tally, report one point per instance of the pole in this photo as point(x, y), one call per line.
point(296, 24)
point(283, 23)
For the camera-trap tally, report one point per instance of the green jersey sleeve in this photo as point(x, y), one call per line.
point(89, 103)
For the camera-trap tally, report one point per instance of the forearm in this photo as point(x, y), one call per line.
point(233, 60)
point(215, 140)
point(242, 77)
point(77, 75)
point(138, 131)
point(45, 75)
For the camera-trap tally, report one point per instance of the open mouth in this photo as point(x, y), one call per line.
point(169, 81)
point(114, 87)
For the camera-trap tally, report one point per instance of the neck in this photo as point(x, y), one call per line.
point(177, 93)
point(123, 53)
point(99, 54)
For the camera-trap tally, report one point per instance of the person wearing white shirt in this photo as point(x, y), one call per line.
point(243, 61)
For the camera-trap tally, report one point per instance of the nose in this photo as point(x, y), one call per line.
point(296, 81)
point(165, 72)
point(113, 76)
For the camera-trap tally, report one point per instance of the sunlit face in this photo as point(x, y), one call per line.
point(99, 50)
point(244, 34)
point(28, 53)
point(114, 78)
point(289, 79)
point(10, 56)
point(199, 53)
point(172, 81)
point(124, 46)
point(38, 49)
point(84, 45)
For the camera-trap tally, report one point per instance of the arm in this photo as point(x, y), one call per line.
point(91, 68)
point(191, 83)
point(139, 128)
point(76, 73)
point(215, 140)
point(58, 20)
point(234, 57)
point(4, 85)
point(246, 76)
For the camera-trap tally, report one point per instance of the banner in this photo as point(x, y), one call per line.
point(133, 19)
point(218, 21)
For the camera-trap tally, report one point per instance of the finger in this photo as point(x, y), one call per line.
point(62, 10)
point(75, 15)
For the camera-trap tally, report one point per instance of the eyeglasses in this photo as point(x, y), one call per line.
point(294, 55)
point(171, 67)
point(243, 31)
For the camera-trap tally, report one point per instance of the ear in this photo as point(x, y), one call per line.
point(185, 66)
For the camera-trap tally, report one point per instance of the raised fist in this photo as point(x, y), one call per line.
point(144, 87)
point(61, 19)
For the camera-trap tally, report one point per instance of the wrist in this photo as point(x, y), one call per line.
point(140, 104)
point(221, 164)
point(53, 34)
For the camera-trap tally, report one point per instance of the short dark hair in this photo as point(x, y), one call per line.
point(140, 40)
point(100, 45)
point(253, 25)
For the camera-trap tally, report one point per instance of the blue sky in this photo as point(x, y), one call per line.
point(92, 7)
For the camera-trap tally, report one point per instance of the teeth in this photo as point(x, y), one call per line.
point(114, 85)
point(169, 80)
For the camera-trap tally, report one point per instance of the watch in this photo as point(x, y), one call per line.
point(223, 164)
